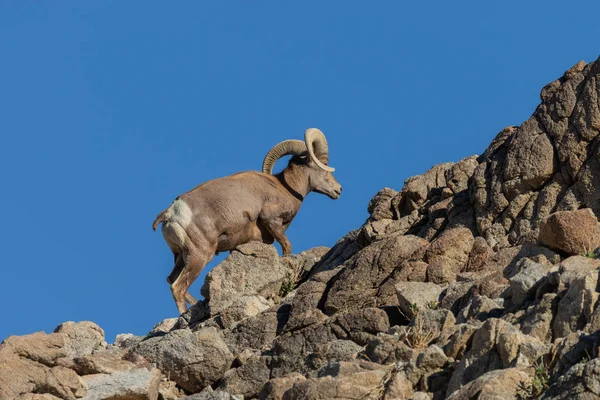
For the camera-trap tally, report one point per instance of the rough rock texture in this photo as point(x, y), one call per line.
point(574, 232)
point(477, 279)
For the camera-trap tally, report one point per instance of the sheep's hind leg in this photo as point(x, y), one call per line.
point(179, 265)
point(195, 262)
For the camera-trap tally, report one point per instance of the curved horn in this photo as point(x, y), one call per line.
point(295, 147)
point(317, 147)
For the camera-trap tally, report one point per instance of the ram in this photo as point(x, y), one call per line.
point(223, 213)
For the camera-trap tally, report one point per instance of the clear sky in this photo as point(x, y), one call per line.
point(110, 109)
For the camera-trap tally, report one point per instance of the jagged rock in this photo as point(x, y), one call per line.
point(164, 326)
point(127, 340)
point(437, 321)
point(338, 339)
point(21, 371)
point(102, 362)
point(252, 269)
point(459, 340)
point(354, 381)
point(459, 174)
point(491, 350)
point(376, 230)
point(521, 284)
point(480, 252)
point(504, 384)
point(248, 379)
point(192, 359)
point(402, 383)
point(574, 267)
point(573, 349)
point(380, 206)
point(387, 349)
point(357, 284)
point(242, 308)
point(304, 309)
point(454, 296)
point(414, 296)
point(448, 254)
point(418, 189)
point(256, 332)
point(276, 388)
point(83, 337)
point(342, 251)
point(40, 347)
point(574, 232)
point(479, 308)
point(431, 359)
point(582, 381)
point(168, 390)
point(576, 306)
point(134, 384)
point(537, 320)
point(210, 394)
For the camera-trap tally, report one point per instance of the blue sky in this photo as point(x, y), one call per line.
point(109, 110)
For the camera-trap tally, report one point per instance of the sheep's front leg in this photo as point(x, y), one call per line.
point(277, 230)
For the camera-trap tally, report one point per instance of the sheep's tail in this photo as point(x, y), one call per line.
point(160, 218)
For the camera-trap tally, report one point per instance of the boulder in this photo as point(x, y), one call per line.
point(358, 283)
point(83, 337)
point(251, 269)
point(582, 381)
point(136, 384)
point(192, 359)
point(575, 308)
point(448, 254)
point(415, 296)
point(504, 384)
point(347, 381)
point(573, 232)
point(274, 389)
point(490, 351)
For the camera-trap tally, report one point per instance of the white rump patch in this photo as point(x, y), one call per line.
point(181, 213)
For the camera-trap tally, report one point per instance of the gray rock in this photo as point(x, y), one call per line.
point(577, 305)
point(192, 359)
point(479, 308)
point(537, 320)
point(210, 394)
point(358, 283)
point(248, 379)
point(431, 359)
point(84, 337)
point(414, 296)
point(521, 284)
point(504, 384)
point(582, 381)
point(483, 356)
point(135, 384)
point(252, 269)
point(380, 206)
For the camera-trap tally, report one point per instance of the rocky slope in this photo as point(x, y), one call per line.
point(479, 279)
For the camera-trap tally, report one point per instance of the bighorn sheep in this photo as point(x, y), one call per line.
point(223, 213)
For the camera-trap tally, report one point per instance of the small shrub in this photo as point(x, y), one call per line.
point(286, 288)
point(417, 336)
point(539, 383)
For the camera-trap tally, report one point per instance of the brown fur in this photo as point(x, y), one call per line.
point(230, 211)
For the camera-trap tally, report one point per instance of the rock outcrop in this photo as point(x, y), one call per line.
point(478, 279)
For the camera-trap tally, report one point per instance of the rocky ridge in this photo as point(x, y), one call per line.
point(478, 279)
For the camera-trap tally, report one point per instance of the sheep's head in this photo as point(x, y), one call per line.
point(313, 155)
